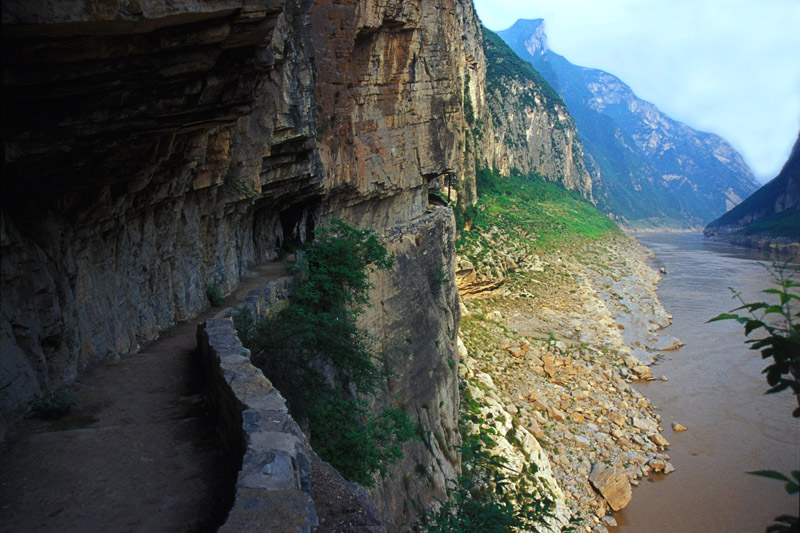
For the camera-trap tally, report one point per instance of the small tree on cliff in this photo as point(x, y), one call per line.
point(318, 357)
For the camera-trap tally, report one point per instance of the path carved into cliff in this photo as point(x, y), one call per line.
point(137, 452)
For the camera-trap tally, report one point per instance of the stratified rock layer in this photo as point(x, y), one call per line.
point(155, 149)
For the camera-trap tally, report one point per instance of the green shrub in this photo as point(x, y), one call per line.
point(488, 496)
point(318, 357)
point(779, 324)
point(360, 444)
point(441, 278)
point(52, 404)
point(214, 295)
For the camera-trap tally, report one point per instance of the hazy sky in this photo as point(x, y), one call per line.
point(730, 67)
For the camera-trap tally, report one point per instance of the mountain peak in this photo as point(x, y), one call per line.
point(528, 34)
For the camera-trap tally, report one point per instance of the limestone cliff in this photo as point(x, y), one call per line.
point(531, 129)
point(153, 148)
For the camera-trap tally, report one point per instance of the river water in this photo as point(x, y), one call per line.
point(715, 388)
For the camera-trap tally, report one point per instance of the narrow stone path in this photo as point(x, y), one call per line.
point(137, 453)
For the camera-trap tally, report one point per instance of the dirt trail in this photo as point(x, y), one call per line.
point(137, 452)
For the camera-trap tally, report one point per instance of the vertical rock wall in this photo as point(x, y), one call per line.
point(153, 148)
point(147, 150)
point(415, 310)
point(525, 124)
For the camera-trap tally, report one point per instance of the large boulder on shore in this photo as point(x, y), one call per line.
point(612, 484)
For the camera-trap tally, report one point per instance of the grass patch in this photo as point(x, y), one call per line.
point(530, 214)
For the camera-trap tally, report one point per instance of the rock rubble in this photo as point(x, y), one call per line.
point(560, 366)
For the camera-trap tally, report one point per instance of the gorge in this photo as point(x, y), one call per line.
point(155, 151)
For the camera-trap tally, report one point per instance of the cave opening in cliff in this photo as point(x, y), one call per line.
point(297, 225)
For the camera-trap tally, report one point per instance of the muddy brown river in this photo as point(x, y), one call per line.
point(716, 389)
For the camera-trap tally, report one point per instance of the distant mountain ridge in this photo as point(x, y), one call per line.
point(646, 168)
point(771, 215)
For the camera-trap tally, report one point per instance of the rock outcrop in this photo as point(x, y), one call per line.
point(530, 128)
point(770, 216)
point(153, 149)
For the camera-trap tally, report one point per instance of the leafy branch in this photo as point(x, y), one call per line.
point(781, 323)
point(782, 327)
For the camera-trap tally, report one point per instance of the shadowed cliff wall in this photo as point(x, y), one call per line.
point(154, 148)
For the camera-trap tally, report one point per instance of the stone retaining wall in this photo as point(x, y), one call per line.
point(273, 485)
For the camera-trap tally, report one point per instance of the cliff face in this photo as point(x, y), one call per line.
point(645, 167)
point(530, 127)
point(770, 215)
point(154, 148)
point(148, 153)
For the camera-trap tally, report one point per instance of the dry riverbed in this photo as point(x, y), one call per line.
point(552, 353)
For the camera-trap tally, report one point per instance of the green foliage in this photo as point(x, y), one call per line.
point(337, 267)
point(239, 187)
point(52, 404)
point(781, 324)
point(360, 444)
point(318, 357)
point(781, 343)
point(214, 295)
point(484, 497)
point(543, 215)
point(441, 278)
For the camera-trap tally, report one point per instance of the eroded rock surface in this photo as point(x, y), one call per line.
point(612, 484)
point(550, 341)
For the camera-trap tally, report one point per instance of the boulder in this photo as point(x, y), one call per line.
point(643, 372)
point(657, 464)
point(617, 418)
point(612, 484)
point(646, 425)
point(678, 427)
point(658, 440)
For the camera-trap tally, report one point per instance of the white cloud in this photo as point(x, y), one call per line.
point(731, 67)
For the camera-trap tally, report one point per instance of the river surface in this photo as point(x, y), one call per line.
point(716, 389)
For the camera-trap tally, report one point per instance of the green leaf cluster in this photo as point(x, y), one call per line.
point(319, 358)
point(214, 294)
point(52, 404)
point(779, 324)
point(488, 496)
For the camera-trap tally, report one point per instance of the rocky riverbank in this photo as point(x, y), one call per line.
point(552, 352)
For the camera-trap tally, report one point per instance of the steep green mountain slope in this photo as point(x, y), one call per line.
point(518, 217)
point(772, 213)
point(645, 167)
